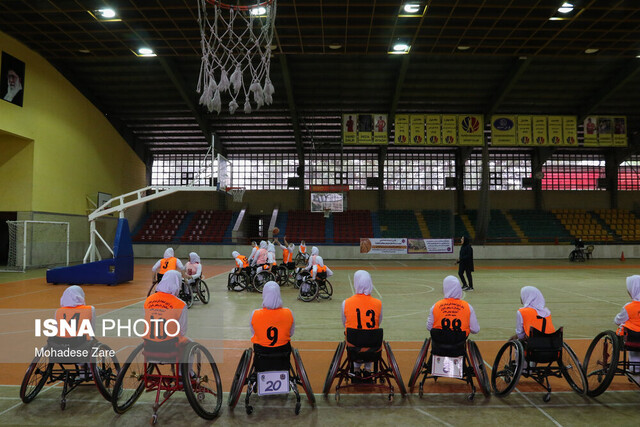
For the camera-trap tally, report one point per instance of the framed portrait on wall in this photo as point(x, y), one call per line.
point(11, 79)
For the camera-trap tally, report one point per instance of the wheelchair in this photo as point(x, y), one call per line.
point(533, 358)
point(577, 255)
point(187, 297)
point(191, 369)
point(300, 260)
point(270, 373)
point(199, 291)
point(311, 289)
point(452, 356)
point(364, 346)
point(602, 361)
point(100, 370)
point(285, 274)
point(239, 280)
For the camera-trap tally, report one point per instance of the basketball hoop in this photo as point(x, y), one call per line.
point(236, 53)
point(237, 193)
point(327, 212)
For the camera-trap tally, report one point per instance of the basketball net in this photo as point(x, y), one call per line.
point(236, 54)
point(237, 193)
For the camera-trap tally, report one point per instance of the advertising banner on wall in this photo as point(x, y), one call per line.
point(503, 130)
point(449, 129)
point(540, 134)
point(471, 130)
point(554, 127)
point(620, 131)
point(434, 129)
point(570, 131)
point(380, 129)
point(525, 133)
point(349, 123)
point(430, 246)
point(416, 122)
point(591, 131)
point(402, 129)
point(383, 246)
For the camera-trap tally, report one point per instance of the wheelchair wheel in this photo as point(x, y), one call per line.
point(105, 370)
point(304, 379)
point(325, 290)
point(308, 290)
point(600, 362)
point(300, 260)
point(240, 378)
point(152, 289)
point(507, 368)
point(291, 276)
point(237, 282)
point(186, 297)
point(333, 368)
point(572, 371)
point(35, 378)
point(203, 292)
point(202, 383)
point(417, 368)
point(130, 382)
point(478, 368)
point(261, 279)
point(391, 359)
point(281, 275)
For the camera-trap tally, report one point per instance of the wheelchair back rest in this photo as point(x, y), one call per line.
point(631, 340)
point(59, 345)
point(272, 358)
point(161, 351)
point(543, 348)
point(446, 342)
point(365, 338)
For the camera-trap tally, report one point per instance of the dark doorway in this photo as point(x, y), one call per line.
point(258, 227)
point(4, 235)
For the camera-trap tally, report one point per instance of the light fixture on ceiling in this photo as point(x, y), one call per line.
point(258, 11)
point(334, 45)
point(565, 8)
point(412, 9)
point(105, 15)
point(145, 52)
point(400, 48)
point(84, 51)
point(464, 47)
point(567, 11)
point(591, 50)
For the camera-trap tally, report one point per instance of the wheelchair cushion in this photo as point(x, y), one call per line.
point(543, 348)
point(631, 340)
point(161, 351)
point(364, 345)
point(448, 342)
point(272, 358)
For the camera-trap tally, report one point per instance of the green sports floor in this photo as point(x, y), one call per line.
point(583, 298)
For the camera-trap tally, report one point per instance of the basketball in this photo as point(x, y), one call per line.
point(276, 230)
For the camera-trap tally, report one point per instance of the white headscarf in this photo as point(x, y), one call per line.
point(271, 247)
point(451, 287)
point(319, 261)
point(532, 297)
point(633, 286)
point(315, 251)
point(271, 298)
point(194, 258)
point(73, 296)
point(263, 244)
point(362, 282)
point(291, 247)
point(170, 283)
point(235, 254)
point(168, 253)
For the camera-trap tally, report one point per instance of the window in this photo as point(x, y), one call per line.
point(506, 170)
point(473, 172)
point(348, 168)
point(263, 171)
point(183, 169)
point(573, 172)
point(629, 174)
point(425, 170)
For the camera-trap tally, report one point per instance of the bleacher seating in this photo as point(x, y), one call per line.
point(540, 226)
point(499, 230)
point(305, 225)
point(399, 223)
point(350, 226)
point(207, 226)
point(439, 223)
point(583, 224)
point(160, 226)
point(623, 222)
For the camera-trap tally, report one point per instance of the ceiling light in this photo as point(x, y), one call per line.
point(335, 45)
point(145, 51)
point(104, 15)
point(258, 11)
point(412, 9)
point(84, 51)
point(107, 13)
point(565, 8)
point(464, 47)
point(590, 51)
point(400, 48)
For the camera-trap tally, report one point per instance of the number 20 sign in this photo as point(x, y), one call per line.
point(273, 382)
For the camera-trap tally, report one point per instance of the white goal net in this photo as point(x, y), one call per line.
point(36, 244)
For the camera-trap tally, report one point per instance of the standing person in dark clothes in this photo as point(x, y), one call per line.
point(465, 263)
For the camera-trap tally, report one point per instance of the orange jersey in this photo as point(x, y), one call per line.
point(271, 328)
point(78, 313)
point(245, 262)
point(303, 249)
point(362, 312)
point(321, 268)
point(165, 307)
point(452, 313)
point(168, 264)
point(531, 319)
point(633, 311)
point(286, 256)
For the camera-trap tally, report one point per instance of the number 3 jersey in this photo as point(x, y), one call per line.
point(272, 327)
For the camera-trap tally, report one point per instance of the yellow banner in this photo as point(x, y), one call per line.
point(402, 129)
point(365, 128)
point(620, 131)
point(380, 129)
point(449, 129)
point(525, 133)
point(349, 123)
point(591, 131)
point(605, 131)
point(416, 124)
point(554, 128)
point(570, 131)
point(434, 130)
point(539, 126)
point(503, 130)
point(471, 129)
